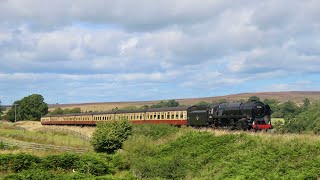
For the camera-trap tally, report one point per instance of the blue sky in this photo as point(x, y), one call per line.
point(101, 51)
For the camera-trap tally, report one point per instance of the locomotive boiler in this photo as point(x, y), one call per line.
point(236, 115)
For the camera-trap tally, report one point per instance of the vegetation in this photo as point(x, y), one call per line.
point(43, 136)
point(170, 103)
point(202, 103)
point(187, 154)
point(254, 98)
point(305, 121)
point(110, 136)
point(65, 111)
point(29, 108)
point(65, 166)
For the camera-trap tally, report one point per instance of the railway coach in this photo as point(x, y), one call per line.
point(173, 116)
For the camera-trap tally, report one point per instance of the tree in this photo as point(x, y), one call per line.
point(307, 120)
point(71, 111)
point(170, 103)
point(109, 137)
point(306, 102)
point(202, 103)
point(254, 98)
point(57, 111)
point(29, 108)
point(289, 109)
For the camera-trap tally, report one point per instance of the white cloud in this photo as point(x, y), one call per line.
point(157, 46)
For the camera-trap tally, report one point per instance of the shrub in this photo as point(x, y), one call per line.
point(109, 136)
point(305, 121)
point(34, 174)
point(24, 161)
point(94, 165)
point(64, 161)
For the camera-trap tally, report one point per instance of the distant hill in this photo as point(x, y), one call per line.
point(296, 96)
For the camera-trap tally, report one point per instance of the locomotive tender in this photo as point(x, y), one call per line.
point(237, 115)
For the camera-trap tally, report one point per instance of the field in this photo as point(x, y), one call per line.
point(29, 135)
point(188, 154)
point(164, 152)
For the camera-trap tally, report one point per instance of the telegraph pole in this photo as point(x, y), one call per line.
point(15, 112)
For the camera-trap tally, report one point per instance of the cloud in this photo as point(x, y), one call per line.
point(165, 49)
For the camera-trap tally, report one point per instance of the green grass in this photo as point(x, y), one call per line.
point(188, 154)
point(59, 138)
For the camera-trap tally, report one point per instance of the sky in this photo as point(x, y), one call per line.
point(137, 50)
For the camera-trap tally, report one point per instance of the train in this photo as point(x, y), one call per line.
point(251, 115)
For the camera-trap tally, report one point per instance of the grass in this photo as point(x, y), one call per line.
point(189, 154)
point(43, 136)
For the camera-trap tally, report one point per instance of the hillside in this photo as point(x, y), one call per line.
point(296, 96)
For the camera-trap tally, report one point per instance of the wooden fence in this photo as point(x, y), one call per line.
point(43, 147)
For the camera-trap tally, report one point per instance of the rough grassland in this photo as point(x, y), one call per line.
point(185, 153)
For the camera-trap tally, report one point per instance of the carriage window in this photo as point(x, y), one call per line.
point(158, 116)
point(172, 116)
point(168, 116)
point(155, 116)
point(181, 115)
point(162, 116)
point(177, 115)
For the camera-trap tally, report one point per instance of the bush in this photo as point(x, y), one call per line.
point(24, 161)
point(34, 174)
point(305, 121)
point(94, 165)
point(109, 136)
point(64, 161)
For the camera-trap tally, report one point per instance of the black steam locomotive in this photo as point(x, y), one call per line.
point(237, 115)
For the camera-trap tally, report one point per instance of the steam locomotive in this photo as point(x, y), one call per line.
point(249, 115)
point(237, 115)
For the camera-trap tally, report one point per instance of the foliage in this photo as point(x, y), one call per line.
point(130, 108)
point(202, 103)
point(65, 111)
point(72, 111)
point(289, 109)
point(109, 136)
point(57, 111)
point(29, 108)
point(203, 155)
point(154, 131)
point(170, 103)
point(306, 102)
point(17, 162)
point(308, 120)
point(26, 166)
point(64, 161)
point(254, 98)
point(90, 164)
